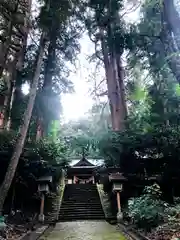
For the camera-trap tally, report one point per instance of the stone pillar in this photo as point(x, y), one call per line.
point(41, 215)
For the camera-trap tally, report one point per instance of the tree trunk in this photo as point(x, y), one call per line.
point(5, 106)
point(10, 81)
point(48, 75)
point(172, 19)
point(115, 85)
point(8, 125)
point(121, 76)
point(23, 129)
point(50, 62)
point(39, 132)
point(17, 63)
point(171, 52)
point(4, 48)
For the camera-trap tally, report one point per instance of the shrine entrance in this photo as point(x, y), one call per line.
point(81, 173)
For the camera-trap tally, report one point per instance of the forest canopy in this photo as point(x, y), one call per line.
point(133, 122)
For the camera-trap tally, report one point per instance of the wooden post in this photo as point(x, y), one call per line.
point(119, 214)
point(93, 180)
point(118, 202)
point(42, 204)
point(1, 120)
point(41, 215)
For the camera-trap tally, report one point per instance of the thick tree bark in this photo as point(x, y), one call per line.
point(10, 81)
point(13, 89)
point(116, 100)
point(4, 48)
point(39, 133)
point(18, 54)
point(171, 52)
point(23, 129)
point(50, 62)
point(121, 76)
point(48, 76)
point(5, 105)
point(172, 19)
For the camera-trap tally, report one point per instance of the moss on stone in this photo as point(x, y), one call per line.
point(84, 230)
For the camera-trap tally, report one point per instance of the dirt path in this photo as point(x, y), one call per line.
point(84, 230)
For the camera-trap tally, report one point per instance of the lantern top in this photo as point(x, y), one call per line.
point(117, 177)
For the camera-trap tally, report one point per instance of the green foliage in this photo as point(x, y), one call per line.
point(83, 136)
point(54, 152)
point(147, 211)
point(171, 213)
point(155, 73)
point(126, 149)
point(54, 129)
point(138, 94)
point(177, 89)
point(59, 20)
point(7, 140)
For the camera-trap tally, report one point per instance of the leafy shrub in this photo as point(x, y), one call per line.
point(7, 140)
point(147, 211)
point(172, 213)
point(170, 229)
point(54, 152)
point(128, 145)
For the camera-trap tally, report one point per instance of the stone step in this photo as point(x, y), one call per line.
point(80, 194)
point(81, 199)
point(82, 185)
point(81, 189)
point(80, 207)
point(81, 210)
point(85, 214)
point(81, 215)
point(71, 200)
point(74, 218)
point(92, 203)
point(81, 202)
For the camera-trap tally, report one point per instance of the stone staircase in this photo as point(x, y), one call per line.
point(81, 202)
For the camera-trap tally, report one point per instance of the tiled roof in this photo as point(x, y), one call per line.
point(83, 163)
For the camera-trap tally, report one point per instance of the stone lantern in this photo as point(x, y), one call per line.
point(117, 180)
point(44, 186)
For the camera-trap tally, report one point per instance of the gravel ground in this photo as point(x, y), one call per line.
point(84, 230)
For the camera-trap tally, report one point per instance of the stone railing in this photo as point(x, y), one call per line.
point(60, 197)
point(105, 202)
point(56, 199)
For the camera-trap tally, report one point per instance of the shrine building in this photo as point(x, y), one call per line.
point(81, 172)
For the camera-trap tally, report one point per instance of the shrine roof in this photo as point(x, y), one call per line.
point(83, 163)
